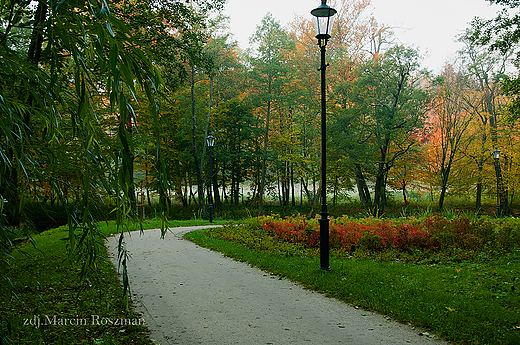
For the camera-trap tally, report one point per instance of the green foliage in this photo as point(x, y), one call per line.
point(384, 107)
point(502, 34)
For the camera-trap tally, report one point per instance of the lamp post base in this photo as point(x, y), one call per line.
point(324, 240)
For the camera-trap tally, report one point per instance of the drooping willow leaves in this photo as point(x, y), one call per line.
point(69, 70)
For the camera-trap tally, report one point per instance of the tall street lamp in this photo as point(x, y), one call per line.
point(323, 19)
point(210, 140)
point(496, 156)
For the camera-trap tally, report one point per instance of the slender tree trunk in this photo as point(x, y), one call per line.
point(234, 185)
point(264, 158)
point(130, 168)
point(502, 192)
point(224, 186)
point(217, 204)
point(200, 182)
point(292, 186)
point(280, 192)
point(405, 199)
point(380, 187)
point(317, 191)
point(478, 196)
point(335, 190)
point(186, 195)
point(147, 187)
point(305, 188)
point(315, 201)
point(445, 172)
point(206, 133)
point(504, 195)
point(363, 191)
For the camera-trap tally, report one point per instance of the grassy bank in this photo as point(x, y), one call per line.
point(49, 303)
point(464, 301)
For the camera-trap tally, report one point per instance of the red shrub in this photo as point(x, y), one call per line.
point(349, 237)
point(313, 241)
point(435, 233)
point(411, 237)
point(387, 233)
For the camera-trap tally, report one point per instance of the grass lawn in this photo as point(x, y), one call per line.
point(50, 304)
point(465, 302)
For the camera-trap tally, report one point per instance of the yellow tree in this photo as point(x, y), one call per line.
point(486, 102)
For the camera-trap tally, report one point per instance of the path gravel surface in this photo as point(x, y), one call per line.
point(191, 295)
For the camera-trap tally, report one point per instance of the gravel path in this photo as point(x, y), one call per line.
point(190, 295)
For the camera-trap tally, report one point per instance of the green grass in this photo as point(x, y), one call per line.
point(46, 281)
point(468, 302)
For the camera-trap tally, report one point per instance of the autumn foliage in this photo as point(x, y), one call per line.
point(433, 234)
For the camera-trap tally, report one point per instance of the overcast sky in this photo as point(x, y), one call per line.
point(430, 25)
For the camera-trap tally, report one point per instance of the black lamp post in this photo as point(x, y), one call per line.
point(323, 19)
point(496, 156)
point(210, 140)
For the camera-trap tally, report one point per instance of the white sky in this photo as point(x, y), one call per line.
point(430, 25)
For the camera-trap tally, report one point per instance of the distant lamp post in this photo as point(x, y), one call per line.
point(323, 20)
point(210, 140)
point(496, 156)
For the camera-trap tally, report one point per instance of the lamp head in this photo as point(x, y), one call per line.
point(210, 140)
point(323, 20)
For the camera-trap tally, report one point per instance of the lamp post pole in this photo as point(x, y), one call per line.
point(211, 142)
point(496, 155)
point(323, 18)
point(324, 220)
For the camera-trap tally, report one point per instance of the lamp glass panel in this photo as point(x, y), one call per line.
point(323, 25)
point(210, 140)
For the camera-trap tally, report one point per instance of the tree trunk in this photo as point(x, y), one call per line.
point(234, 185)
point(216, 194)
point(335, 190)
point(478, 196)
point(405, 199)
point(131, 158)
point(445, 172)
point(502, 192)
point(293, 202)
point(224, 186)
point(264, 158)
point(315, 201)
point(200, 182)
point(186, 195)
point(380, 187)
point(280, 192)
point(147, 187)
point(305, 188)
point(363, 192)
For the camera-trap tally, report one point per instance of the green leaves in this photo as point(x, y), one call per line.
point(55, 111)
point(386, 106)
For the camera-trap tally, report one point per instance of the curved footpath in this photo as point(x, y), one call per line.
point(190, 295)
